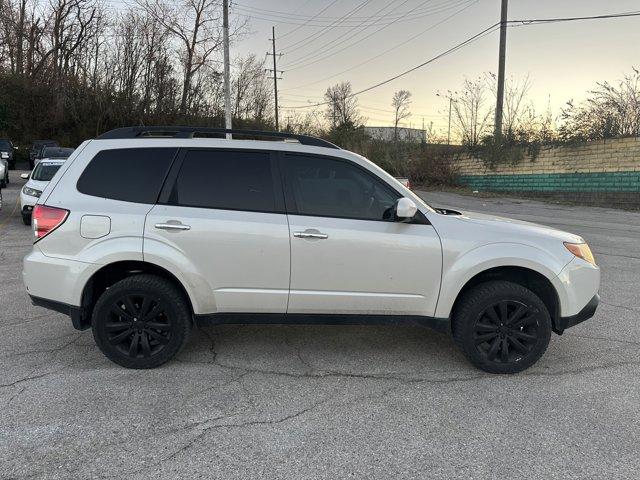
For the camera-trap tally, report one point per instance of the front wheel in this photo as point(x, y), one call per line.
point(502, 327)
point(142, 321)
point(26, 218)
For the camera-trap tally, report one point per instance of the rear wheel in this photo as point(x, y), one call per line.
point(142, 321)
point(502, 327)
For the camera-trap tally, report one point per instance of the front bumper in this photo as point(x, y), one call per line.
point(589, 310)
point(27, 202)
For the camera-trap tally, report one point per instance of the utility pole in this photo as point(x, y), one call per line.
point(449, 131)
point(501, 68)
point(227, 85)
point(275, 73)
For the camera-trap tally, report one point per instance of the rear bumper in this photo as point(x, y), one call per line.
point(75, 313)
point(562, 323)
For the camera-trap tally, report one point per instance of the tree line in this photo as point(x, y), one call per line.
point(71, 69)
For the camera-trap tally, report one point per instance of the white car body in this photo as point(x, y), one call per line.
point(251, 262)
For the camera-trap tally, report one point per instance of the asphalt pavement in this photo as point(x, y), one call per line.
point(327, 402)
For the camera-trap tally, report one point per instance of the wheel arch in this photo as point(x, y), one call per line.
point(111, 273)
point(531, 279)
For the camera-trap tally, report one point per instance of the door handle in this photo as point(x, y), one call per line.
point(312, 234)
point(172, 226)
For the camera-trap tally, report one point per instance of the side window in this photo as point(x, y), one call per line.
point(128, 174)
point(334, 188)
point(227, 180)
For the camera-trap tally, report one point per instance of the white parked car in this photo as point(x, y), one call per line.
point(146, 231)
point(38, 180)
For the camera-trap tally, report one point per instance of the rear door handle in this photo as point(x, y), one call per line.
point(172, 226)
point(310, 234)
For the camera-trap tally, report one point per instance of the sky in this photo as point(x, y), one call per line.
point(563, 60)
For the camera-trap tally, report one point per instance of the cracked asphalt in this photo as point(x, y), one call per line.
point(301, 402)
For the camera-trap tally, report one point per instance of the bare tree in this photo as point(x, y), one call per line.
point(197, 27)
point(342, 106)
point(471, 113)
point(251, 93)
point(609, 111)
point(400, 103)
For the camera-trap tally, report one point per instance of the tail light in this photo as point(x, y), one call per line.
point(47, 219)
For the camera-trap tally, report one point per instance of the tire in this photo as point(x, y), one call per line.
point(3, 183)
point(501, 327)
point(26, 219)
point(157, 338)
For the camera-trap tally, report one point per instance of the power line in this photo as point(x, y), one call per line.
point(323, 48)
point(430, 27)
point(634, 13)
point(475, 37)
point(254, 11)
point(306, 41)
point(460, 45)
point(305, 23)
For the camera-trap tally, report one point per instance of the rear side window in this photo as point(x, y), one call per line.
point(227, 180)
point(128, 174)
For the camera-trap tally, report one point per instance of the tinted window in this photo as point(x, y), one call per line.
point(231, 180)
point(335, 188)
point(5, 145)
point(45, 171)
point(129, 174)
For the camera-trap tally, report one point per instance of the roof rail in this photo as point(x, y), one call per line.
point(190, 132)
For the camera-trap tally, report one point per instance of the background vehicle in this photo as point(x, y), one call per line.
point(140, 236)
point(50, 153)
point(36, 148)
point(38, 180)
point(7, 159)
point(4, 173)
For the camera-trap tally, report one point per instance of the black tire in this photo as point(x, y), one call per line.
point(501, 327)
point(153, 334)
point(26, 218)
point(3, 183)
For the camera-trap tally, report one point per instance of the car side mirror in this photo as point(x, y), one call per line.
point(24, 175)
point(405, 209)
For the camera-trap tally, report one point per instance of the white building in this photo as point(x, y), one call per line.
point(404, 134)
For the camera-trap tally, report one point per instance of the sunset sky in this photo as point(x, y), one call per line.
point(563, 60)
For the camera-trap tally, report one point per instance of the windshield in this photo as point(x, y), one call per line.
point(44, 172)
point(5, 145)
point(56, 152)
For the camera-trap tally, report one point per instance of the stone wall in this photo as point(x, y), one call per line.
point(596, 173)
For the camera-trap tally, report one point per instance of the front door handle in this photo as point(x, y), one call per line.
point(311, 234)
point(172, 226)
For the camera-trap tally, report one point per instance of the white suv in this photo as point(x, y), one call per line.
point(148, 230)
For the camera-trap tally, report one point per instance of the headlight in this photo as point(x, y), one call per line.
point(32, 192)
point(4, 154)
point(581, 250)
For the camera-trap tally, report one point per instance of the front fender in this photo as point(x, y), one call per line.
point(459, 270)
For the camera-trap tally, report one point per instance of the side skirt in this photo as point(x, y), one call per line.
point(439, 324)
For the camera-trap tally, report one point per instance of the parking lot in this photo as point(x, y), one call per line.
point(326, 401)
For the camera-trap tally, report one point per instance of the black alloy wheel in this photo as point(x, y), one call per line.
point(506, 331)
point(138, 325)
point(501, 327)
point(142, 321)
